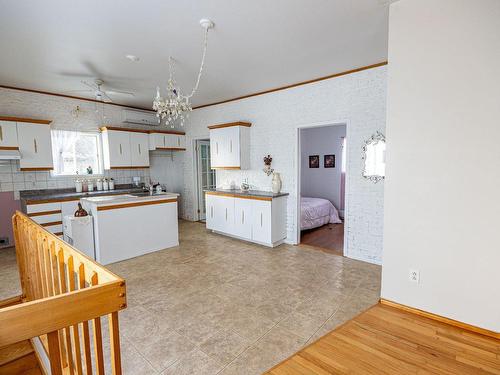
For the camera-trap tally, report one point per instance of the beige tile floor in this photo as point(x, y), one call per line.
point(215, 305)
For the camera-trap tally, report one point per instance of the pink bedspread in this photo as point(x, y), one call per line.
point(315, 212)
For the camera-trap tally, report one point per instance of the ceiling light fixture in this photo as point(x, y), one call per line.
point(176, 106)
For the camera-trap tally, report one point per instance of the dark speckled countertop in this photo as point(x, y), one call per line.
point(249, 193)
point(70, 193)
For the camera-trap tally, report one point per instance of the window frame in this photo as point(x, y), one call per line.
point(100, 160)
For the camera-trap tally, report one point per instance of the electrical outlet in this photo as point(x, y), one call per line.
point(4, 241)
point(414, 276)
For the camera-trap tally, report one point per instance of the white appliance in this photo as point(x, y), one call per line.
point(140, 117)
point(79, 232)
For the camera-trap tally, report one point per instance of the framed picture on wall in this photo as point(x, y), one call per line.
point(313, 161)
point(329, 161)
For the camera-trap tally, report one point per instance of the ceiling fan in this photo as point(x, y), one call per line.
point(99, 93)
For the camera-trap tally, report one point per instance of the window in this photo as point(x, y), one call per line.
point(76, 153)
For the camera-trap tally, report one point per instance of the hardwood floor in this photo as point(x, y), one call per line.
point(387, 340)
point(329, 238)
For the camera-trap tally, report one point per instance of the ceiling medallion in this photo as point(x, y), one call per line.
point(176, 106)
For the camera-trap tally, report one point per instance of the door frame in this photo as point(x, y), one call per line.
point(298, 175)
point(196, 190)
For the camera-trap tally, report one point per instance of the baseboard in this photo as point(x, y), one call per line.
point(442, 319)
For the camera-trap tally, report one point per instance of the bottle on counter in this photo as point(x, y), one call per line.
point(105, 184)
point(111, 184)
point(90, 185)
point(78, 185)
point(99, 184)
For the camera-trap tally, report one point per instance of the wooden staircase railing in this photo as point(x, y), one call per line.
point(63, 291)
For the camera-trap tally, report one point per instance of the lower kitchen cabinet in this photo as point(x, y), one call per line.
point(256, 219)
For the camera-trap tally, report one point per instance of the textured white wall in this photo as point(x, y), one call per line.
point(322, 182)
point(442, 155)
point(58, 109)
point(359, 99)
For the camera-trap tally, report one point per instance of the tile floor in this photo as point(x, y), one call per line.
point(215, 305)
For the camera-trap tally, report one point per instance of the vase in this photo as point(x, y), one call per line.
point(276, 183)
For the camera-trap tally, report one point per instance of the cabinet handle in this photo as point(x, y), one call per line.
point(120, 148)
point(212, 212)
point(242, 217)
point(35, 146)
point(226, 213)
point(178, 141)
point(139, 146)
point(164, 141)
point(217, 148)
point(231, 146)
point(1, 134)
point(261, 219)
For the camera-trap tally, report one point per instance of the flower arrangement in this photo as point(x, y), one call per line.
point(267, 165)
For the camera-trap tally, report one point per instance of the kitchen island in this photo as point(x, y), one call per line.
point(127, 226)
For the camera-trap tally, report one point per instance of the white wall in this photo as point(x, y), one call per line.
point(357, 99)
point(443, 160)
point(322, 182)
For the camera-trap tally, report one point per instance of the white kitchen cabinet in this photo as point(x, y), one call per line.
point(167, 140)
point(8, 135)
point(262, 221)
point(230, 145)
point(220, 213)
point(116, 149)
point(243, 218)
point(35, 146)
point(256, 219)
point(139, 149)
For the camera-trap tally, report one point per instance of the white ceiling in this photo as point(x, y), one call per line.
point(256, 44)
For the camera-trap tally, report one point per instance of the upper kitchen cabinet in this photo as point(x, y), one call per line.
point(167, 140)
point(8, 135)
point(125, 148)
point(139, 149)
point(230, 145)
point(35, 145)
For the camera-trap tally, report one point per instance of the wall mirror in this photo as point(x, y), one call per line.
point(374, 158)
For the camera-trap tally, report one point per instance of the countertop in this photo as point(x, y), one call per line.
point(27, 196)
point(249, 193)
point(126, 199)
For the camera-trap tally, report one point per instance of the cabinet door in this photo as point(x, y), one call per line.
point(139, 149)
point(175, 141)
point(8, 134)
point(210, 211)
point(232, 146)
point(243, 218)
point(118, 149)
point(261, 221)
point(216, 148)
point(35, 146)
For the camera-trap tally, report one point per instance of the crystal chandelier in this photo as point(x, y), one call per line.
point(176, 106)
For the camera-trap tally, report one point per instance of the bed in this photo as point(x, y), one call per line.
point(315, 212)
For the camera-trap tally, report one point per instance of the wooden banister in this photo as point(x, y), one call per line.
point(63, 291)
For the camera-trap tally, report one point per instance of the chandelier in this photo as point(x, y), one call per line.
point(176, 106)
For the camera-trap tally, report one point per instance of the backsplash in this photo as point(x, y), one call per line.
point(12, 179)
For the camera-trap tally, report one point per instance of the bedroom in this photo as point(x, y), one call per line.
point(322, 187)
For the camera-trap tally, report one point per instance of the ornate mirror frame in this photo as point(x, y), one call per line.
point(372, 141)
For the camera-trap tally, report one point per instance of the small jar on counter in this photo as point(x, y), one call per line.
point(111, 184)
point(78, 185)
point(90, 185)
point(98, 184)
point(105, 184)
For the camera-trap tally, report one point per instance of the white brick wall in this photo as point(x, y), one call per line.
point(358, 98)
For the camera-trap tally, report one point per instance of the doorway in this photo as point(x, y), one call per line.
point(322, 164)
point(205, 174)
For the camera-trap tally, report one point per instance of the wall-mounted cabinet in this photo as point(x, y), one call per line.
point(260, 220)
point(125, 148)
point(230, 145)
point(35, 145)
point(167, 140)
point(8, 135)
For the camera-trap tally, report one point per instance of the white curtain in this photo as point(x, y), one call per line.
point(63, 142)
